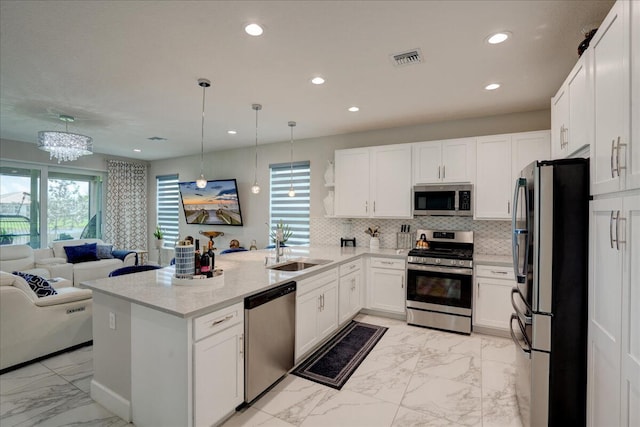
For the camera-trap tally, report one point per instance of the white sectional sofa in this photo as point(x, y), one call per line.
point(32, 326)
point(90, 270)
point(53, 262)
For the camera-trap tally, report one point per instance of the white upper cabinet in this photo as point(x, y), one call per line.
point(373, 182)
point(569, 113)
point(493, 180)
point(611, 151)
point(527, 147)
point(352, 182)
point(448, 161)
point(633, 155)
point(500, 158)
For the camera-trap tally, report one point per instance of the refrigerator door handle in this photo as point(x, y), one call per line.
point(521, 275)
point(526, 316)
point(526, 351)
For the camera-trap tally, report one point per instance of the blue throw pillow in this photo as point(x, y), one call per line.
point(104, 251)
point(38, 285)
point(82, 253)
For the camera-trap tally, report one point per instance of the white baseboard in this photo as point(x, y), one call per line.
point(111, 400)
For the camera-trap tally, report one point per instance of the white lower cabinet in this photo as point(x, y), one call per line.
point(492, 296)
point(386, 285)
point(316, 310)
point(218, 375)
point(614, 318)
point(350, 290)
point(186, 371)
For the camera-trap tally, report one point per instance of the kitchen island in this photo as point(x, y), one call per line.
point(150, 334)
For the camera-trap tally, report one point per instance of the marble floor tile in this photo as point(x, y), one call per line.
point(498, 376)
point(455, 343)
point(406, 417)
point(292, 399)
point(71, 359)
point(498, 349)
point(500, 409)
point(80, 410)
point(459, 367)
point(251, 417)
point(349, 409)
point(455, 401)
point(22, 404)
point(23, 376)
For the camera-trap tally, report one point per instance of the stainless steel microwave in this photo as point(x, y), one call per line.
point(443, 200)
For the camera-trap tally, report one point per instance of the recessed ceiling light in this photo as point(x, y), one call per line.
point(137, 150)
point(317, 80)
point(354, 109)
point(492, 86)
point(232, 132)
point(253, 30)
point(498, 37)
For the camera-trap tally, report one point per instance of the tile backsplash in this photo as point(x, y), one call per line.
point(490, 237)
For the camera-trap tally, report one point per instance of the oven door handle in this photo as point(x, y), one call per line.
point(527, 318)
point(526, 351)
point(436, 269)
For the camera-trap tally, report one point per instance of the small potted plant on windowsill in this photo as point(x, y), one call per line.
point(159, 235)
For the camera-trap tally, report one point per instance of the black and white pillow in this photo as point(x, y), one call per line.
point(38, 285)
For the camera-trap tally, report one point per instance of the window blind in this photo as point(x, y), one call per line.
point(292, 211)
point(167, 208)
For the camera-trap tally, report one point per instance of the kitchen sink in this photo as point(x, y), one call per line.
point(299, 264)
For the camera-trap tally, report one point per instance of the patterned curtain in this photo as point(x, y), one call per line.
point(126, 211)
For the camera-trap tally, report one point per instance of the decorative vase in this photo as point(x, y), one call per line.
point(374, 243)
point(159, 243)
point(328, 173)
point(328, 203)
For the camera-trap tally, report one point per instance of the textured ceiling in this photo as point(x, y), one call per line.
point(128, 70)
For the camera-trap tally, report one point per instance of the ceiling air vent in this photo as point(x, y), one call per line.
point(407, 58)
point(157, 138)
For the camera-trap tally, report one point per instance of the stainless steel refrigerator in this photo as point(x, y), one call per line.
point(549, 325)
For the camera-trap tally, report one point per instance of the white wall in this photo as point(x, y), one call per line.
point(239, 164)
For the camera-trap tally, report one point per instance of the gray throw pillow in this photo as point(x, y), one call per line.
point(104, 251)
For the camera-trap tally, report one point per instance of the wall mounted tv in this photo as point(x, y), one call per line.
point(216, 204)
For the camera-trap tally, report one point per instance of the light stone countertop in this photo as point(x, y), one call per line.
point(501, 260)
point(244, 275)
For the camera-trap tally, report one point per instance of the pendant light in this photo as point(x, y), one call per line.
point(255, 188)
point(292, 192)
point(202, 181)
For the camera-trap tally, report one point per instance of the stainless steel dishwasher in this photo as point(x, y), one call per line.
point(269, 327)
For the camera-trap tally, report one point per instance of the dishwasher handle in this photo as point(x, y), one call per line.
point(264, 297)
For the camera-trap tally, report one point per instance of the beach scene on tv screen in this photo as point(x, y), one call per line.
point(216, 204)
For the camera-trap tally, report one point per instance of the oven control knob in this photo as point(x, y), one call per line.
point(452, 262)
point(437, 260)
point(461, 262)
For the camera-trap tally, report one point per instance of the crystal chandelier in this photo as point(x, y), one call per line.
point(202, 181)
point(65, 146)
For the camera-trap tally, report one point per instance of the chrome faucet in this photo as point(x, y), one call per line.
point(279, 237)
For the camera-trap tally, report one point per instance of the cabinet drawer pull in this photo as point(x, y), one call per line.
point(611, 229)
point(619, 219)
point(498, 272)
point(444, 172)
point(438, 172)
point(217, 322)
point(241, 343)
point(618, 165)
point(613, 145)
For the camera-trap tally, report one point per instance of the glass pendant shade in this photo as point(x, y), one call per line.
point(65, 146)
point(255, 188)
point(202, 181)
point(292, 192)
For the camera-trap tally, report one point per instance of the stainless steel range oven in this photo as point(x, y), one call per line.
point(440, 280)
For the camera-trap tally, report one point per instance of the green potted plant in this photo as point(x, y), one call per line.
point(286, 232)
point(159, 235)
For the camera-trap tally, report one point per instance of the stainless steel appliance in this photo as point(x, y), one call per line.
point(269, 326)
point(440, 280)
point(443, 200)
point(550, 251)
